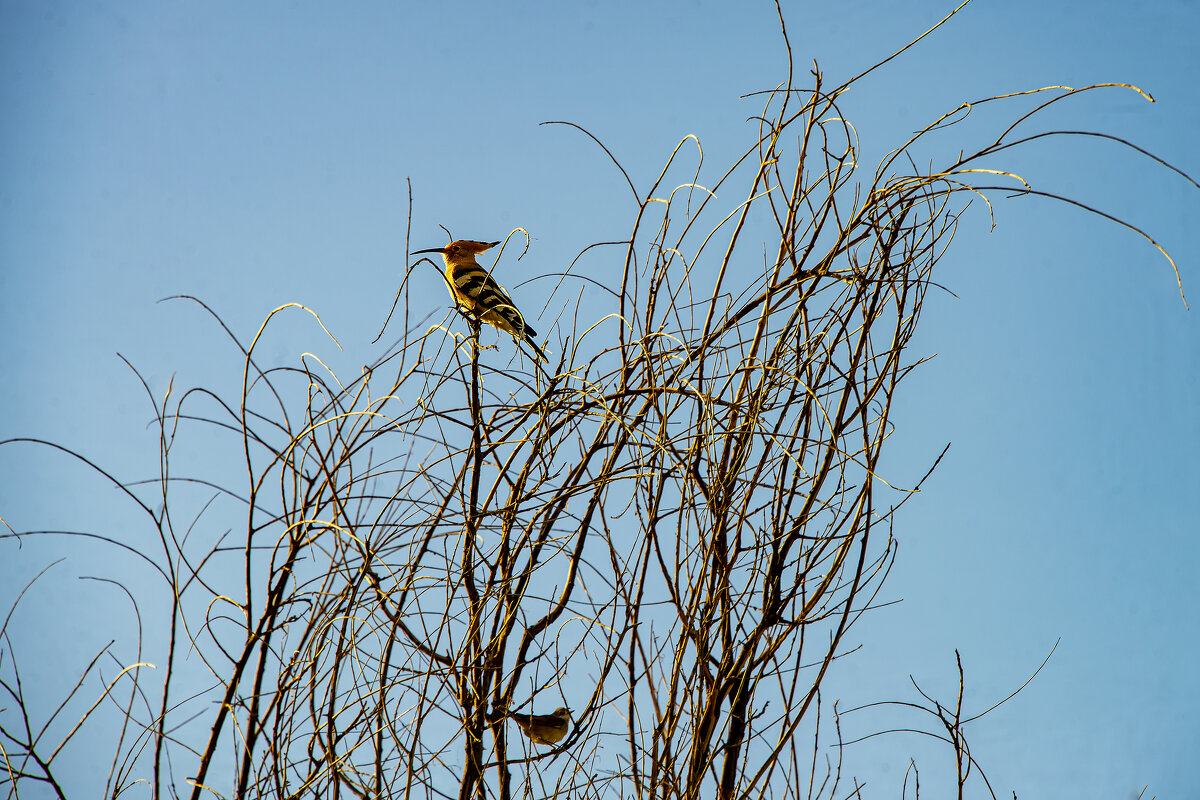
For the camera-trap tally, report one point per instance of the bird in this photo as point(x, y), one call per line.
point(541, 728)
point(474, 290)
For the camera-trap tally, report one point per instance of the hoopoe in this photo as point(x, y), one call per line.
point(542, 728)
point(474, 290)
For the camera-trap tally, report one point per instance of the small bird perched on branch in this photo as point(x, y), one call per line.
point(474, 290)
point(541, 728)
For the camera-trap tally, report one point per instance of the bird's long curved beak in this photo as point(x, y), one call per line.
point(430, 250)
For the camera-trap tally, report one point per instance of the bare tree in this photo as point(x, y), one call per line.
point(668, 531)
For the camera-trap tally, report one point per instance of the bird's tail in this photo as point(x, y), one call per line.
point(540, 353)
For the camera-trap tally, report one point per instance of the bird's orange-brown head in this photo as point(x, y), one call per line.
point(460, 249)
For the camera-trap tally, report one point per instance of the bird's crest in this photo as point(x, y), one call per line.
point(468, 246)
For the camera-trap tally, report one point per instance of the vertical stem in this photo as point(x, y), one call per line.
point(471, 695)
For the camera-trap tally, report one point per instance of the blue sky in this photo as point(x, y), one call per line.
point(253, 157)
